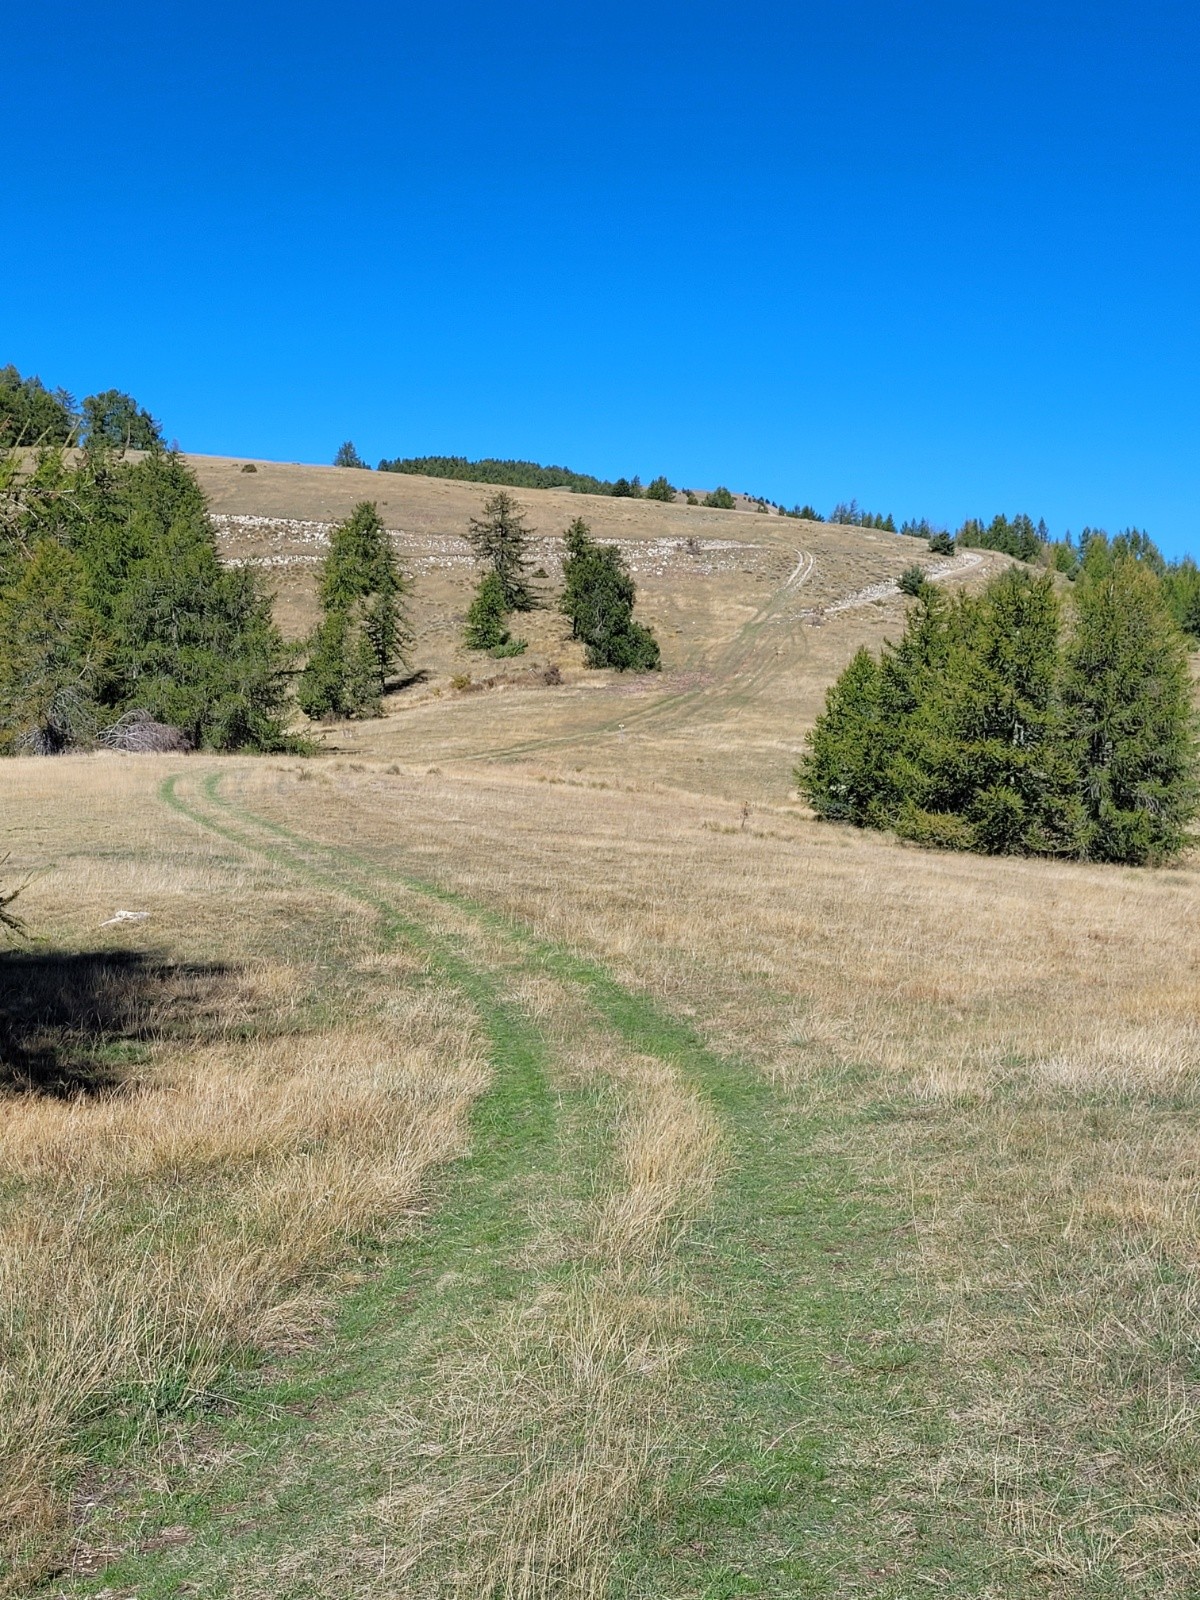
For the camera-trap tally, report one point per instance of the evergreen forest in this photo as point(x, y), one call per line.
point(1010, 722)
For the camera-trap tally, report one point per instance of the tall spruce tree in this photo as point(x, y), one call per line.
point(486, 628)
point(1128, 717)
point(499, 540)
point(116, 420)
point(364, 632)
point(975, 747)
point(841, 770)
point(31, 414)
point(598, 597)
point(48, 655)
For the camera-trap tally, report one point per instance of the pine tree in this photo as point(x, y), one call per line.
point(147, 618)
point(485, 628)
point(598, 598)
point(977, 731)
point(48, 658)
point(116, 421)
point(348, 456)
point(979, 745)
point(499, 540)
point(31, 414)
point(660, 489)
point(1181, 587)
point(719, 498)
point(339, 678)
point(1128, 717)
point(839, 773)
point(364, 632)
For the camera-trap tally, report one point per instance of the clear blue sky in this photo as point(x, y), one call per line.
point(943, 257)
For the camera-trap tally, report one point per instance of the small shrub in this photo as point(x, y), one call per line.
point(461, 681)
point(552, 675)
point(941, 543)
point(912, 580)
point(249, 467)
point(690, 498)
point(510, 647)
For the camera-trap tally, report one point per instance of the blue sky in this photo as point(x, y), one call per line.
point(944, 258)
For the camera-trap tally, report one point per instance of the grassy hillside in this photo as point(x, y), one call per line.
point(518, 1152)
point(756, 615)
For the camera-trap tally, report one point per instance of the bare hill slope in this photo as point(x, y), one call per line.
point(756, 613)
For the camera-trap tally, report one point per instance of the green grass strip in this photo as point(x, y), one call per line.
point(753, 1508)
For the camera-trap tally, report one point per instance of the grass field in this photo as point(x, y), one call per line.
point(520, 1153)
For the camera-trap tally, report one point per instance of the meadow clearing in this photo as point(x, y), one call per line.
point(519, 1152)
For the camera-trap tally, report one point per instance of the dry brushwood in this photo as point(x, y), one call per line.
point(139, 734)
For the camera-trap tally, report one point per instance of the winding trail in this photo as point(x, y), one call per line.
point(741, 667)
point(407, 1455)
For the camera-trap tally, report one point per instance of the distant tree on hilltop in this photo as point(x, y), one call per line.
point(719, 498)
point(660, 489)
point(348, 456)
point(513, 474)
point(116, 420)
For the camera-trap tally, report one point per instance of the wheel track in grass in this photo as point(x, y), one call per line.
point(519, 1126)
point(666, 710)
point(747, 1509)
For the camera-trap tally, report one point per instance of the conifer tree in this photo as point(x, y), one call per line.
point(364, 632)
point(48, 655)
point(124, 558)
point(117, 421)
point(1128, 718)
point(598, 598)
point(978, 731)
point(499, 540)
point(839, 772)
point(485, 629)
point(976, 745)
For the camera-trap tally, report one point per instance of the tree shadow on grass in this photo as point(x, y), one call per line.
point(408, 681)
point(72, 1022)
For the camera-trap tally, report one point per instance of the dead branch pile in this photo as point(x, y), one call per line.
point(139, 734)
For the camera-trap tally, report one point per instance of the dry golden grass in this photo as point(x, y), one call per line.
point(553, 1428)
point(1032, 1030)
point(1012, 1048)
point(742, 605)
point(194, 1206)
point(548, 1426)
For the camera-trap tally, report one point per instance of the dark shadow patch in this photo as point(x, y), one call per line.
point(73, 1022)
point(409, 681)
